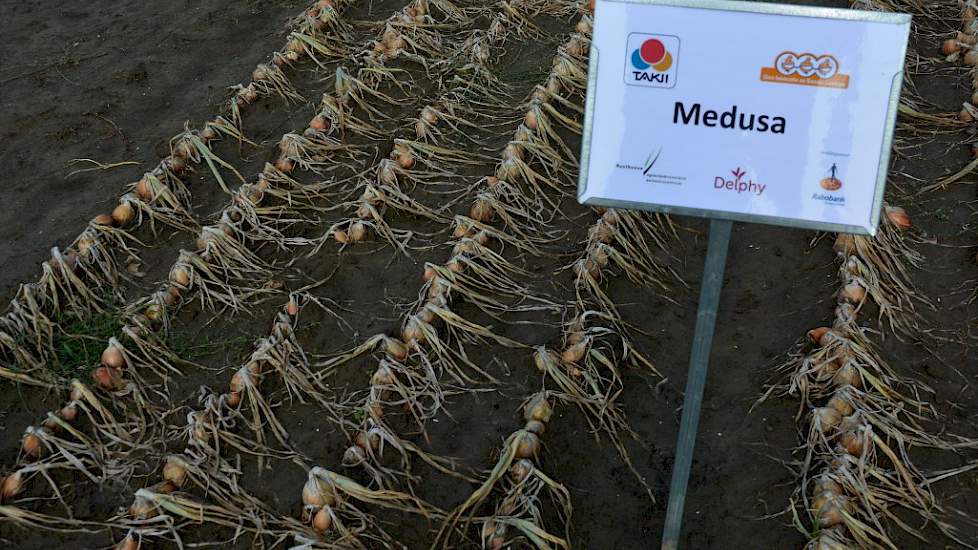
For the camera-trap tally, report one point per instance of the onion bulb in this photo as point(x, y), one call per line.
point(11, 486)
point(233, 399)
point(429, 115)
point(584, 26)
point(104, 219)
point(31, 445)
point(180, 276)
point(285, 164)
point(395, 348)
point(898, 216)
point(845, 244)
point(543, 358)
point(175, 471)
point(950, 46)
point(69, 412)
point(536, 427)
point(854, 442)
point(829, 509)
point(354, 456)
point(575, 352)
point(143, 508)
point(383, 376)
point(108, 378)
point(531, 120)
point(322, 520)
point(521, 469)
point(825, 484)
point(358, 232)
point(826, 418)
point(853, 292)
point(405, 160)
point(528, 444)
point(481, 210)
point(848, 375)
point(841, 403)
point(292, 308)
point(538, 408)
point(367, 440)
point(970, 58)
point(320, 123)
point(243, 378)
point(112, 357)
point(341, 236)
point(316, 492)
point(123, 214)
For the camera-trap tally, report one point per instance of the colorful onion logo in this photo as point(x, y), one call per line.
point(652, 53)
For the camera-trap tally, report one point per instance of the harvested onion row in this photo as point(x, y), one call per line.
point(210, 431)
point(963, 47)
point(857, 470)
point(525, 492)
point(881, 266)
point(57, 444)
point(159, 196)
point(334, 521)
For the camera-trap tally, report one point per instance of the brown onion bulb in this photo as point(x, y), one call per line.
point(950, 46)
point(143, 508)
point(233, 399)
point(853, 292)
point(841, 403)
point(481, 211)
point(383, 376)
point(31, 445)
point(395, 348)
point(536, 427)
point(528, 444)
point(521, 469)
point(11, 486)
point(848, 374)
point(359, 232)
point(322, 520)
point(367, 440)
point(123, 214)
point(104, 219)
point(69, 412)
point(826, 418)
point(575, 352)
point(318, 493)
point(112, 357)
point(108, 378)
point(175, 471)
point(898, 216)
point(845, 244)
point(180, 276)
point(538, 408)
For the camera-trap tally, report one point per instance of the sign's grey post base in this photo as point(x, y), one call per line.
point(699, 362)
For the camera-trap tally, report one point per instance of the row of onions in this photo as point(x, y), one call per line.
point(199, 484)
point(963, 47)
point(406, 377)
point(85, 278)
point(863, 417)
point(224, 272)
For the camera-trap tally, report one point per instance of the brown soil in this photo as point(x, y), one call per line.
point(110, 81)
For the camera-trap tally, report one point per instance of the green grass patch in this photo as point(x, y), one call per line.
point(79, 345)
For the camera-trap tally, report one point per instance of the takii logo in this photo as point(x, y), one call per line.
point(651, 60)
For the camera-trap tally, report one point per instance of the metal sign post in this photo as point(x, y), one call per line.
point(738, 111)
point(699, 362)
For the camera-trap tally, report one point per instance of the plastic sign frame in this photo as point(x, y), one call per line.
point(656, 65)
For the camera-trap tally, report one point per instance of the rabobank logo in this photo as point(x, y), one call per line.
point(652, 60)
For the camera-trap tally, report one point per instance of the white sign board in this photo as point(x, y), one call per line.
point(754, 112)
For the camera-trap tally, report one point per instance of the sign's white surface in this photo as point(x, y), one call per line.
point(763, 117)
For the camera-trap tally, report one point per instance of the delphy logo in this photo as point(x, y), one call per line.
point(739, 184)
point(651, 60)
point(805, 69)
